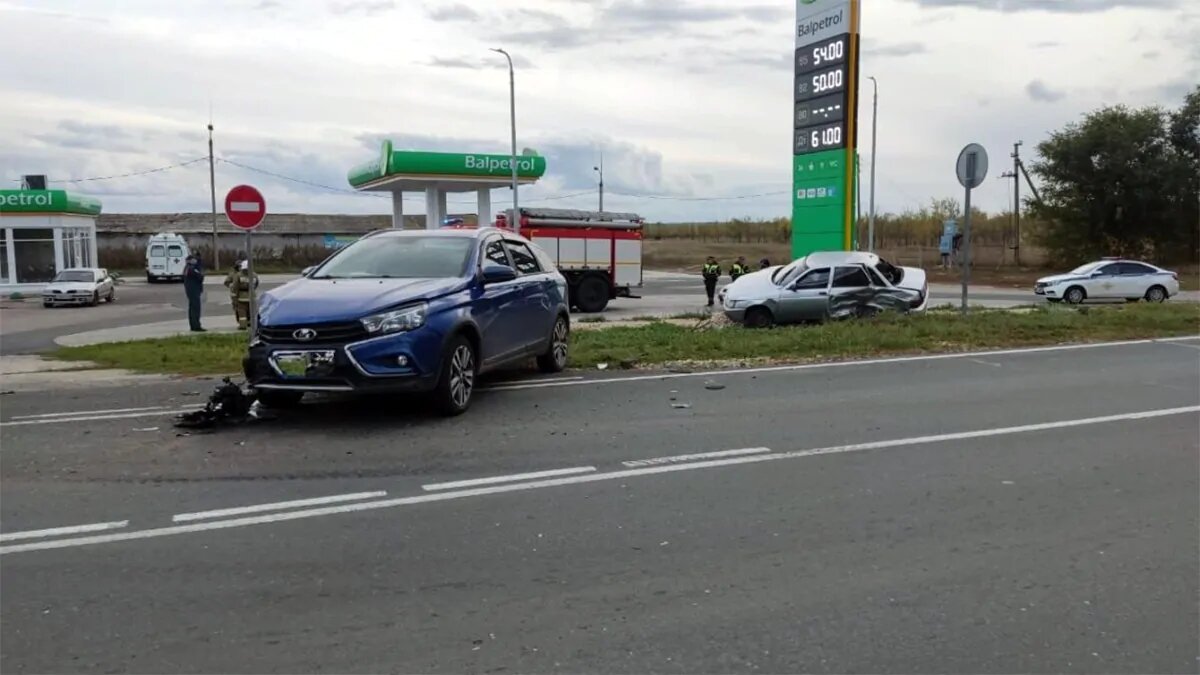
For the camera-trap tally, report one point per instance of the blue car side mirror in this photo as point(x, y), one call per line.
point(494, 274)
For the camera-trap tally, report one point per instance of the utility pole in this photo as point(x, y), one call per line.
point(212, 188)
point(512, 106)
point(1017, 203)
point(600, 170)
point(874, 120)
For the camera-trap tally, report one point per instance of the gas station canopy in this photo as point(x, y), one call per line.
point(439, 173)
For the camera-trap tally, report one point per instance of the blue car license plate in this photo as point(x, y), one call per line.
point(308, 363)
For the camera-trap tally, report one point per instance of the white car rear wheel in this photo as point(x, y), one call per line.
point(1156, 294)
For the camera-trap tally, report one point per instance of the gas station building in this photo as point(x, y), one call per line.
point(43, 232)
point(437, 174)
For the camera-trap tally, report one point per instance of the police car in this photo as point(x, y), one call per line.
point(1110, 279)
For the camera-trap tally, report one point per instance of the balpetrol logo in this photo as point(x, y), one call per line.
point(490, 164)
point(26, 199)
point(815, 25)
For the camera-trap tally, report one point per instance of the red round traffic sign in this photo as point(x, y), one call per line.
point(245, 207)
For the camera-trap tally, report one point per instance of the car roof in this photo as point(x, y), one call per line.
point(450, 232)
point(831, 258)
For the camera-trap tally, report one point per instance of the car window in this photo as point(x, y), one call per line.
point(876, 280)
point(494, 251)
point(156, 251)
point(818, 278)
point(850, 277)
point(399, 257)
point(788, 273)
point(894, 274)
point(1114, 268)
point(523, 259)
point(75, 276)
point(175, 251)
point(1135, 269)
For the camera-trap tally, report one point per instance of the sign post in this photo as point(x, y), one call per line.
point(971, 168)
point(245, 208)
point(824, 125)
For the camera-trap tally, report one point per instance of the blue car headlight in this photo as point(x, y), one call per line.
point(398, 320)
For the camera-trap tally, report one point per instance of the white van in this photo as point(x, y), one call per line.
point(166, 256)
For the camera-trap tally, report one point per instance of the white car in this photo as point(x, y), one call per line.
point(1110, 279)
point(79, 286)
point(824, 285)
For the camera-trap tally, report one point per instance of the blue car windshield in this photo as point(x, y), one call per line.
point(387, 257)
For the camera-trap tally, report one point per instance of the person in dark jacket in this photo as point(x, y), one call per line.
point(764, 264)
point(193, 287)
point(711, 273)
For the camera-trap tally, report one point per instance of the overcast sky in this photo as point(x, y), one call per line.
point(686, 100)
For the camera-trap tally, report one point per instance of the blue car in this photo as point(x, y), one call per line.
point(411, 311)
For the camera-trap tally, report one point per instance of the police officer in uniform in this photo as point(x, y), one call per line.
point(739, 268)
point(711, 273)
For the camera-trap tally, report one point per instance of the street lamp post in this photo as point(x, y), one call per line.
point(874, 118)
point(512, 104)
point(600, 170)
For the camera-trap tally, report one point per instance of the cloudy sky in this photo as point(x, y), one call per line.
point(689, 100)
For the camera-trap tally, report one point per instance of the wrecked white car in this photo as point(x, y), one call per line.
point(825, 285)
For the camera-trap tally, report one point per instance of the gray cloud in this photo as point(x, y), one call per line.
point(897, 50)
point(1046, 44)
point(455, 12)
point(266, 5)
point(1040, 91)
point(1062, 6)
point(367, 7)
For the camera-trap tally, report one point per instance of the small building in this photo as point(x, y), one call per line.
point(42, 232)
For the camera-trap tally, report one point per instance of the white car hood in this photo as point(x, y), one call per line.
point(1057, 278)
point(753, 285)
point(71, 286)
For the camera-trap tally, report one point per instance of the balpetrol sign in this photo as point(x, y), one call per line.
point(413, 163)
point(47, 201)
point(824, 134)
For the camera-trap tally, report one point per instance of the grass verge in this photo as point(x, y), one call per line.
point(662, 342)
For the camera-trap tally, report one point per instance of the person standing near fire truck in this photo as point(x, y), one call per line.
point(711, 273)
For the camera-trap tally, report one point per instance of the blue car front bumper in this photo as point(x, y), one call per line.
point(401, 362)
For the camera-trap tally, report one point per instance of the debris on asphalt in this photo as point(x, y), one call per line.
point(6, 392)
point(228, 404)
point(713, 385)
point(629, 364)
point(601, 366)
point(681, 406)
point(190, 393)
point(147, 429)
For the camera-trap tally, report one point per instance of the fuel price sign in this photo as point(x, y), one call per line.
point(824, 138)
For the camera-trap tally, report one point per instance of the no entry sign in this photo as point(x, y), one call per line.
point(245, 207)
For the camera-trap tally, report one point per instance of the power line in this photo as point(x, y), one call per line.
point(123, 175)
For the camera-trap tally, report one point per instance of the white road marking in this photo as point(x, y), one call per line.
point(275, 506)
point(1179, 344)
point(537, 381)
point(842, 364)
point(510, 478)
point(88, 412)
point(987, 363)
point(245, 207)
point(89, 418)
point(581, 381)
point(675, 459)
point(56, 531)
point(574, 480)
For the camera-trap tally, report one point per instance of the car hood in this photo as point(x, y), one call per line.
point(71, 286)
point(1058, 278)
point(333, 300)
point(753, 285)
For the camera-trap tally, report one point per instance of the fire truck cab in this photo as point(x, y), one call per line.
point(599, 252)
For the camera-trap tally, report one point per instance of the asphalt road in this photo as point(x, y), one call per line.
point(1026, 511)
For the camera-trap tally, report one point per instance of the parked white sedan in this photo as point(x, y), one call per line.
point(824, 285)
point(1110, 279)
point(79, 286)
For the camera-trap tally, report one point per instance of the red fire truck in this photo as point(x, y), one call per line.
point(599, 252)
